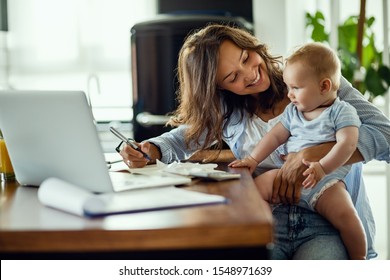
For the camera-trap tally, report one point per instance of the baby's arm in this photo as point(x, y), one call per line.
point(273, 139)
point(346, 142)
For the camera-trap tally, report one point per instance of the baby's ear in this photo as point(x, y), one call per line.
point(325, 85)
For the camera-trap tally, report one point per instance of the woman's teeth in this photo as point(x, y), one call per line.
point(255, 81)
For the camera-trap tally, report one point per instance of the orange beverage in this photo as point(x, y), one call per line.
point(6, 169)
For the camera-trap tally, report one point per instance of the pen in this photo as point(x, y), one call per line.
point(129, 142)
point(114, 161)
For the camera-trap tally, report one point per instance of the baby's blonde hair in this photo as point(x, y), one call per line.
point(321, 59)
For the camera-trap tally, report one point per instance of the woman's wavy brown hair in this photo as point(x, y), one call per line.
point(200, 99)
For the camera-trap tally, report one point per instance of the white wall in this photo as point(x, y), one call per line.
point(280, 23)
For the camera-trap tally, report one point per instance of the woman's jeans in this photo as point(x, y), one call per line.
point(302, 234)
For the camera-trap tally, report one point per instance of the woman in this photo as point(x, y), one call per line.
point(231, 90)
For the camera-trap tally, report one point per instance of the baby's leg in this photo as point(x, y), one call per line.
point(335, 204)
point(264, 184)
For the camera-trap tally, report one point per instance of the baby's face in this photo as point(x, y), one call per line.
point(304, 88)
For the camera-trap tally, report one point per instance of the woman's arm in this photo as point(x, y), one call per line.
point(167, 147)
point(225, 155)
point(288, 183)
point(346, 140)
point(374, 132)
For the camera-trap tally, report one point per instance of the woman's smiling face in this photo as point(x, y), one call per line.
point(241, 71)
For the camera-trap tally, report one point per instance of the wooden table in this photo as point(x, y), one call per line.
point(241, 229)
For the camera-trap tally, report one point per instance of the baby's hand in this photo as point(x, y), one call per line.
point(314, 173)
point(245, 162)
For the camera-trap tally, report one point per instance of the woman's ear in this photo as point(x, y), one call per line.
point(325, 85)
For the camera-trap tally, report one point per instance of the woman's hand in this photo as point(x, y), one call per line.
point(288, 182)
point(133, 158)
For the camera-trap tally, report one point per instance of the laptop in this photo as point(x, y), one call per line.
point(52, 134)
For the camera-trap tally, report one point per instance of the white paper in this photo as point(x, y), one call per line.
point(62, 195)
point(178, 168)
point(147, 200)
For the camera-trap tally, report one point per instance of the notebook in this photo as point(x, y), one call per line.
point(64, 196)
point(52, 134)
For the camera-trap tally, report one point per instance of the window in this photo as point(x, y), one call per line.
point(76, 45)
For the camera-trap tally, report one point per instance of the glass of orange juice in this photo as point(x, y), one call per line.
point(6, 169)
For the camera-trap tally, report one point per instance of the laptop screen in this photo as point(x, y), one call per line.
point(52, 134)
